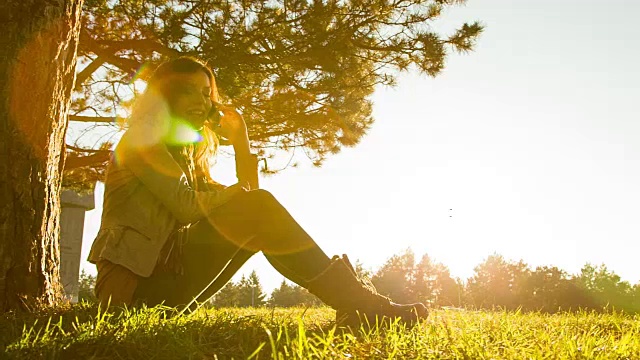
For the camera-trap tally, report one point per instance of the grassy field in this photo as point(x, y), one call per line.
point(85, 332)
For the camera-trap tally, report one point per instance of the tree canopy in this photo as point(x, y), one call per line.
point(301, 72)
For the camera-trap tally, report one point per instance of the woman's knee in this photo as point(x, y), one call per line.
point(260, 198)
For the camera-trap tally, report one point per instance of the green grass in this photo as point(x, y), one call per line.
point(85, 332)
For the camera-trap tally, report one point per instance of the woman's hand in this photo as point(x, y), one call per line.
point(236, 188)
point(232, 125)
point(234, 129)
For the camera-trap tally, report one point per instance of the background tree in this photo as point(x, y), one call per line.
point(37, 70)
point(551, 289)
point(635, 296)
point(250, 291)
point(86, 287)
point(300, 71)
point(228, 296)
point(606, 289)
point(362, 271)
point(396, 278)
point(427, 281)
point(292, 295)
point(434, 285)
point(498, 283)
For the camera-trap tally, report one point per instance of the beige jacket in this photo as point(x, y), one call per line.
point(147, 196)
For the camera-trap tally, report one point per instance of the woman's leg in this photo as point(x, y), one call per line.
point(256, 221)
point(115, 284)
point(206, 255)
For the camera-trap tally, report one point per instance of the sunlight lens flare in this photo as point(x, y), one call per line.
point(182, 133)
point(142, 73)
point(151, 125)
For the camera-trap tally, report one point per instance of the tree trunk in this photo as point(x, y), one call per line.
point(38, 47)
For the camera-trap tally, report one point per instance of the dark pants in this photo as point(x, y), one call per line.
point(216, 247)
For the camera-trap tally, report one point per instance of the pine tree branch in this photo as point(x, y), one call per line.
point(90, 45)
point(137, 45)
point(266, 135)
point(87, 71)
point(79, 149)
point(98, 119)
point(129, 66)
point(74, 162)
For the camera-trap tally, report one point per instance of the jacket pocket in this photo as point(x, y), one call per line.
point(125, 246)
point(105, 239)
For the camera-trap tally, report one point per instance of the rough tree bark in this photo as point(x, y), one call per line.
point(38, 47)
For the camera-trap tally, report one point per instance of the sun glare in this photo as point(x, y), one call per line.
point(182, 133)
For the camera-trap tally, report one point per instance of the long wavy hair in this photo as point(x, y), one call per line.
point(152, 108)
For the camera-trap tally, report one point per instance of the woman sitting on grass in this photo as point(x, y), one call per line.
point(169, 231)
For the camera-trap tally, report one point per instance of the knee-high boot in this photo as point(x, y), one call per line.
point(357, 301)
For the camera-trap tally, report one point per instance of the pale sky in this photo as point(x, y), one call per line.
point(531, 140)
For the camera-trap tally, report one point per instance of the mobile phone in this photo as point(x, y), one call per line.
point(214, 116)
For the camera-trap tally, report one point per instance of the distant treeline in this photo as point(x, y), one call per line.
point(500, 283)
point(496, 284)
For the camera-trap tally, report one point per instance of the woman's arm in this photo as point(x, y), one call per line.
point(154, 166)
point(233, 127)
point(246, 165)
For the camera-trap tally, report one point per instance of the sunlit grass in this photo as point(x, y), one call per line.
point(84, 331)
